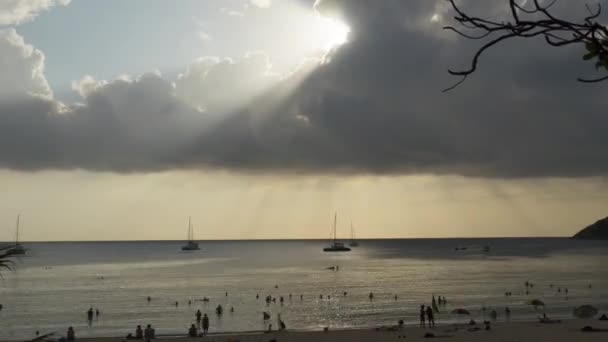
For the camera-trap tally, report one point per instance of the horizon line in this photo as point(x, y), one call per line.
point(296, 239)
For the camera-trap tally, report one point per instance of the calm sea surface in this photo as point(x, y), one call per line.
point(56, 283)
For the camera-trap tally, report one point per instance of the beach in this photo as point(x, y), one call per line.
point(54, 286)
point(568, 330)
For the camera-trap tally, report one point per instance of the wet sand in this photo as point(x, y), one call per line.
point(569, 330)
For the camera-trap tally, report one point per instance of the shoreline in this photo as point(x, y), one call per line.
point(566, 330)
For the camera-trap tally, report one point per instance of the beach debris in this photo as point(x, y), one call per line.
point(585, 311)
point(592, 329)
point(47, 337)
point(546, 319)
point(461, 311)
point(536, 303)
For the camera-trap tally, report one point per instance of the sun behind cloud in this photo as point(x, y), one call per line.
point(333, 33)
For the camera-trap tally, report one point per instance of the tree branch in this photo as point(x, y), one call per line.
point(530, 21)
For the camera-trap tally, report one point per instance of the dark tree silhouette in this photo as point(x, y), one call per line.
point(6, 254)
point(535, 20)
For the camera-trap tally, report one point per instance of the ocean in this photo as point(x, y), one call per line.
point(56, 283)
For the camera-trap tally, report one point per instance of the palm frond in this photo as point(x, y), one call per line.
point(6, 254)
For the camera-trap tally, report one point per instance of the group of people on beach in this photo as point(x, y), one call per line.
point(201, 328)
point(427, 315)
point(201, 321)
point(140, 334)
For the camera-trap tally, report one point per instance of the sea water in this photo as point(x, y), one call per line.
point(56, 283)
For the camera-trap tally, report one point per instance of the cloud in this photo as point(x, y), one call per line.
point(21, 68)
point(262, 3)
point(220, 84)
point(374, 106)
point(204, 36)
point(14, 12)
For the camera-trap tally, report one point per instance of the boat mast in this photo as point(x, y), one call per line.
point(352, 231)
point(335, 224)
point(189, 228)
point(17, 233)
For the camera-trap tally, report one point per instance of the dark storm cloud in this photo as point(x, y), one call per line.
point(375, 107)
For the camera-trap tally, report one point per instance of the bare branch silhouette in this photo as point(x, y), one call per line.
point(534, 20)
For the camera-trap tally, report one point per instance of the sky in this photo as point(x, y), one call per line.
point(261, 118)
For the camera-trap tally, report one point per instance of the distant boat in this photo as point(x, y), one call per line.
point(191, 245)
point(18, 249)
point(485, 249)
point(353, 242)
point(335, 245)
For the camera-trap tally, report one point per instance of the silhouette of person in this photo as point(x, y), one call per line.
point(198, 314)
point(71, 336)
point(430, 317)
point(205, 325)
point(139, 333)
point(192, 331)
point(149, 333)
point(422, 314)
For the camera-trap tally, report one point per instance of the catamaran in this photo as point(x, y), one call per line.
point(353, 242)
point(18, 249)
point(335, 245)
point(191, 245)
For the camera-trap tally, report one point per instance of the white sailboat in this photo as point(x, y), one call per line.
point(191, 245)
point(335, 245)
point(18, 249)
point(353, 242)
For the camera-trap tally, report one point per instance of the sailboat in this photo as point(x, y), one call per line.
point(353, 242)
point(335, 245)
point(191, 245)
point(18, 249)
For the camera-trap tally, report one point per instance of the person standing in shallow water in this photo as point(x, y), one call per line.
point(198, 316)
point(205, 325)
point(422, 313)
point(430, 317)
point(90, 315)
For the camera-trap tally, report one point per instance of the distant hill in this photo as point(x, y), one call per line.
point(596, 231)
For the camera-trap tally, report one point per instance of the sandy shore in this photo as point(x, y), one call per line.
point(504, 332)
